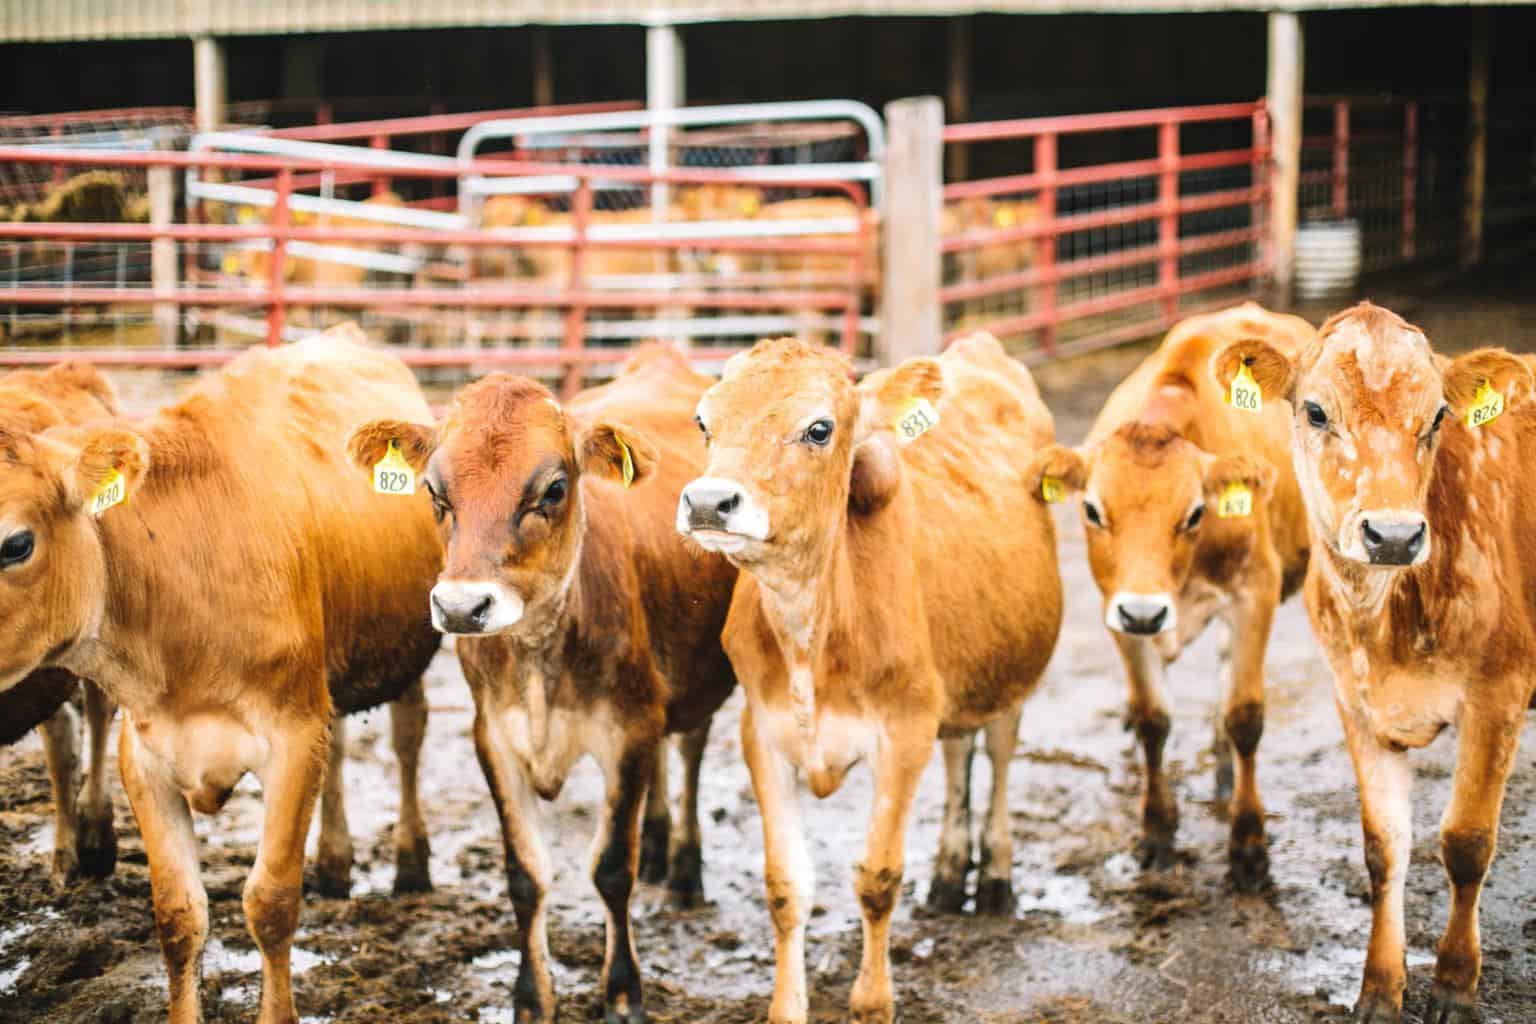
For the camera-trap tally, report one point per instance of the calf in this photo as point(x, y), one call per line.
point(585, 626)
point(220, 571)
point(1422, 590)
point(84, 843)
point(1192, 513)
point(871, 618)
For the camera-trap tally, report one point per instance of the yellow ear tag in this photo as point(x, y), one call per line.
point(392, 474)
point(230, 264)
point(1245, 393)
point(751, 205)
point(1487, 405)
point(1005, 217)
point(111, 492)
point(246, 215)
point(628, 468)
point(1236, 501)
point(1052, 490)
point(916, 419)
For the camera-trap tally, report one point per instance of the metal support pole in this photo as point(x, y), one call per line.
point(543, 66)
point(1410, 180)
point(1045, 252)
point(576, 315)
point(1284, 104)
point(1477, 143)
point(277, 270)
point(1168, 220)
point(910, 316)
point(957, 98)
point(664, 90)
point(162, 254)
point(210, 88)
point(1341, 159)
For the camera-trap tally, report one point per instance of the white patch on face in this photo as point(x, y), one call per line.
point(1144, 607)
point(474, 607)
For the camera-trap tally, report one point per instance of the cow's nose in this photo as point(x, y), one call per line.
point(1141, 614)
point(467, 608)
point(1395, 541)
point(708, 504)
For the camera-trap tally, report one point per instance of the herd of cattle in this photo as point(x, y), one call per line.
point(286, 545)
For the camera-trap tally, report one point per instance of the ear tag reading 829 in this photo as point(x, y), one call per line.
point(111, 492)
point(1052, 490)
point(392, 474)
point(1236, 501)
point(627, 469)
point(1245, 393)
point(1487, 405)
point(916, 419)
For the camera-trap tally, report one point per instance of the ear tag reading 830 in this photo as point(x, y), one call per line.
point(392, 474)
point(1245, 393)
point(111, 492)
point(1236, 501)
point(628, 467)
point(1487, 405)
point(916, 419)
point(1052, 490)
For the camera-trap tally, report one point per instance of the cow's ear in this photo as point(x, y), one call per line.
point(1507, 374)
point(1225, 470)
point(107, 470)
point(890, 401)
point(1272, 370)
point(616, 452)
point(1056, 473)
point(876, 475)
point(370, 442)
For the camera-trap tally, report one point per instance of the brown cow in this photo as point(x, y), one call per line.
point(256, 264)
point(1169, 554)
point(213, 568)
point(84, 843)
point(1422, 590)
point(585, 625)
point(870, 619)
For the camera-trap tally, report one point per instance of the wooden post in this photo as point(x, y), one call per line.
point(664, 78)
point(910, 316)
point(162, 254)
point(543, 66)
point(210, 87)
point(1477, 143)
point(957, 98)
point(1284, 104)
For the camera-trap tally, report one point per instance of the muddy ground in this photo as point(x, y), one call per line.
point(1093, 939)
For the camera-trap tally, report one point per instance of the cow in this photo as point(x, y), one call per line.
point(1192, 513)
point(1422, 592)
point(224, 576)
point(256, 264)
point(585, 626)
point(870, 618)
point(84, 843)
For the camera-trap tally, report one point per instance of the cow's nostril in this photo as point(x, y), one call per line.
point(1156, 622)
point(482, 609)
point(730, 503)
point(1372, 536)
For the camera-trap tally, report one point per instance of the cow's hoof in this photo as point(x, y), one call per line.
point(946, 896)
point(1376, 1008)
point(65, 868)
point(1249, 868)
point(331, 885)
point(653, 852)
point(883, 1013)
point(413, 872)
point(1155, 854)
point(994, 897)
point(97, 848)
point(613, 1015)
point(685, 878)
point(1448, 1006)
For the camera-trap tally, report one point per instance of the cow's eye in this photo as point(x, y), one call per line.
point(1440, 416)
point(16, 548)
point(1093, 514)
point(818, 433)
point(1315, 415)
point(699, 420)
point(1196, 516)
point(554, 494)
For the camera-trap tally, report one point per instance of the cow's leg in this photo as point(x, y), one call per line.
point(615, 856)
point(98, 841)
point(1221, 744)
point(1385, 782)
point(1243, 718)
point(1148, 715)
point(408, 731)
point(685, 873)
point(181, 903)
point(789, 877)
point(528, 867)
point(1468, 833)
point(333, 862)
point(994, 893)
point(61, 747)
point(877, 880)
point(947, 893)
point(274, 889)
point(658, 824)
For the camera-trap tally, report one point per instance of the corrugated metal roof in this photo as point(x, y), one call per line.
point(45, 20)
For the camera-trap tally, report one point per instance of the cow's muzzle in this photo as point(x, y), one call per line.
point(1141, 614)
point(1394, 540)
point(720, 515)
point(470, 608)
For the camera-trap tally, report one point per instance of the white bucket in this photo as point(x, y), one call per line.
point(1327, 258)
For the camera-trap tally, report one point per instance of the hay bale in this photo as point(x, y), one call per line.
point(93, 197)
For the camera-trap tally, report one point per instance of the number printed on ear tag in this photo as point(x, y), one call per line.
point(1236, 501)
point(1487, 405)
point(392, 474)
point(111, 492)
point(1245, 393)
point(916, 419)
point(1053, 490)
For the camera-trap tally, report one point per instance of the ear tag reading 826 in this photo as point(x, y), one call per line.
point(916, 419)
point(1236, 501)
point(1487, 405)
point(392, 474)
point(111, 492)
point(1245, 393)
point(627, 469)
point(1052, 490)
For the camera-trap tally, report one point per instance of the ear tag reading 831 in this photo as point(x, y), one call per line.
point(1245, 393)
point(1052, 490)
point(1236, 501)
point(628, 467)
point(111, 492)
point(1487, 405)
point(916, 419)
point(392, 474)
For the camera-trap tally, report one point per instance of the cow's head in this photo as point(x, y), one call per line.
point(504, 470)
point(785, 427)
point(1150, 500)
point(52, 569)
point(1371, 402)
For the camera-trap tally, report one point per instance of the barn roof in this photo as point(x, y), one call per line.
point(46, 20)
